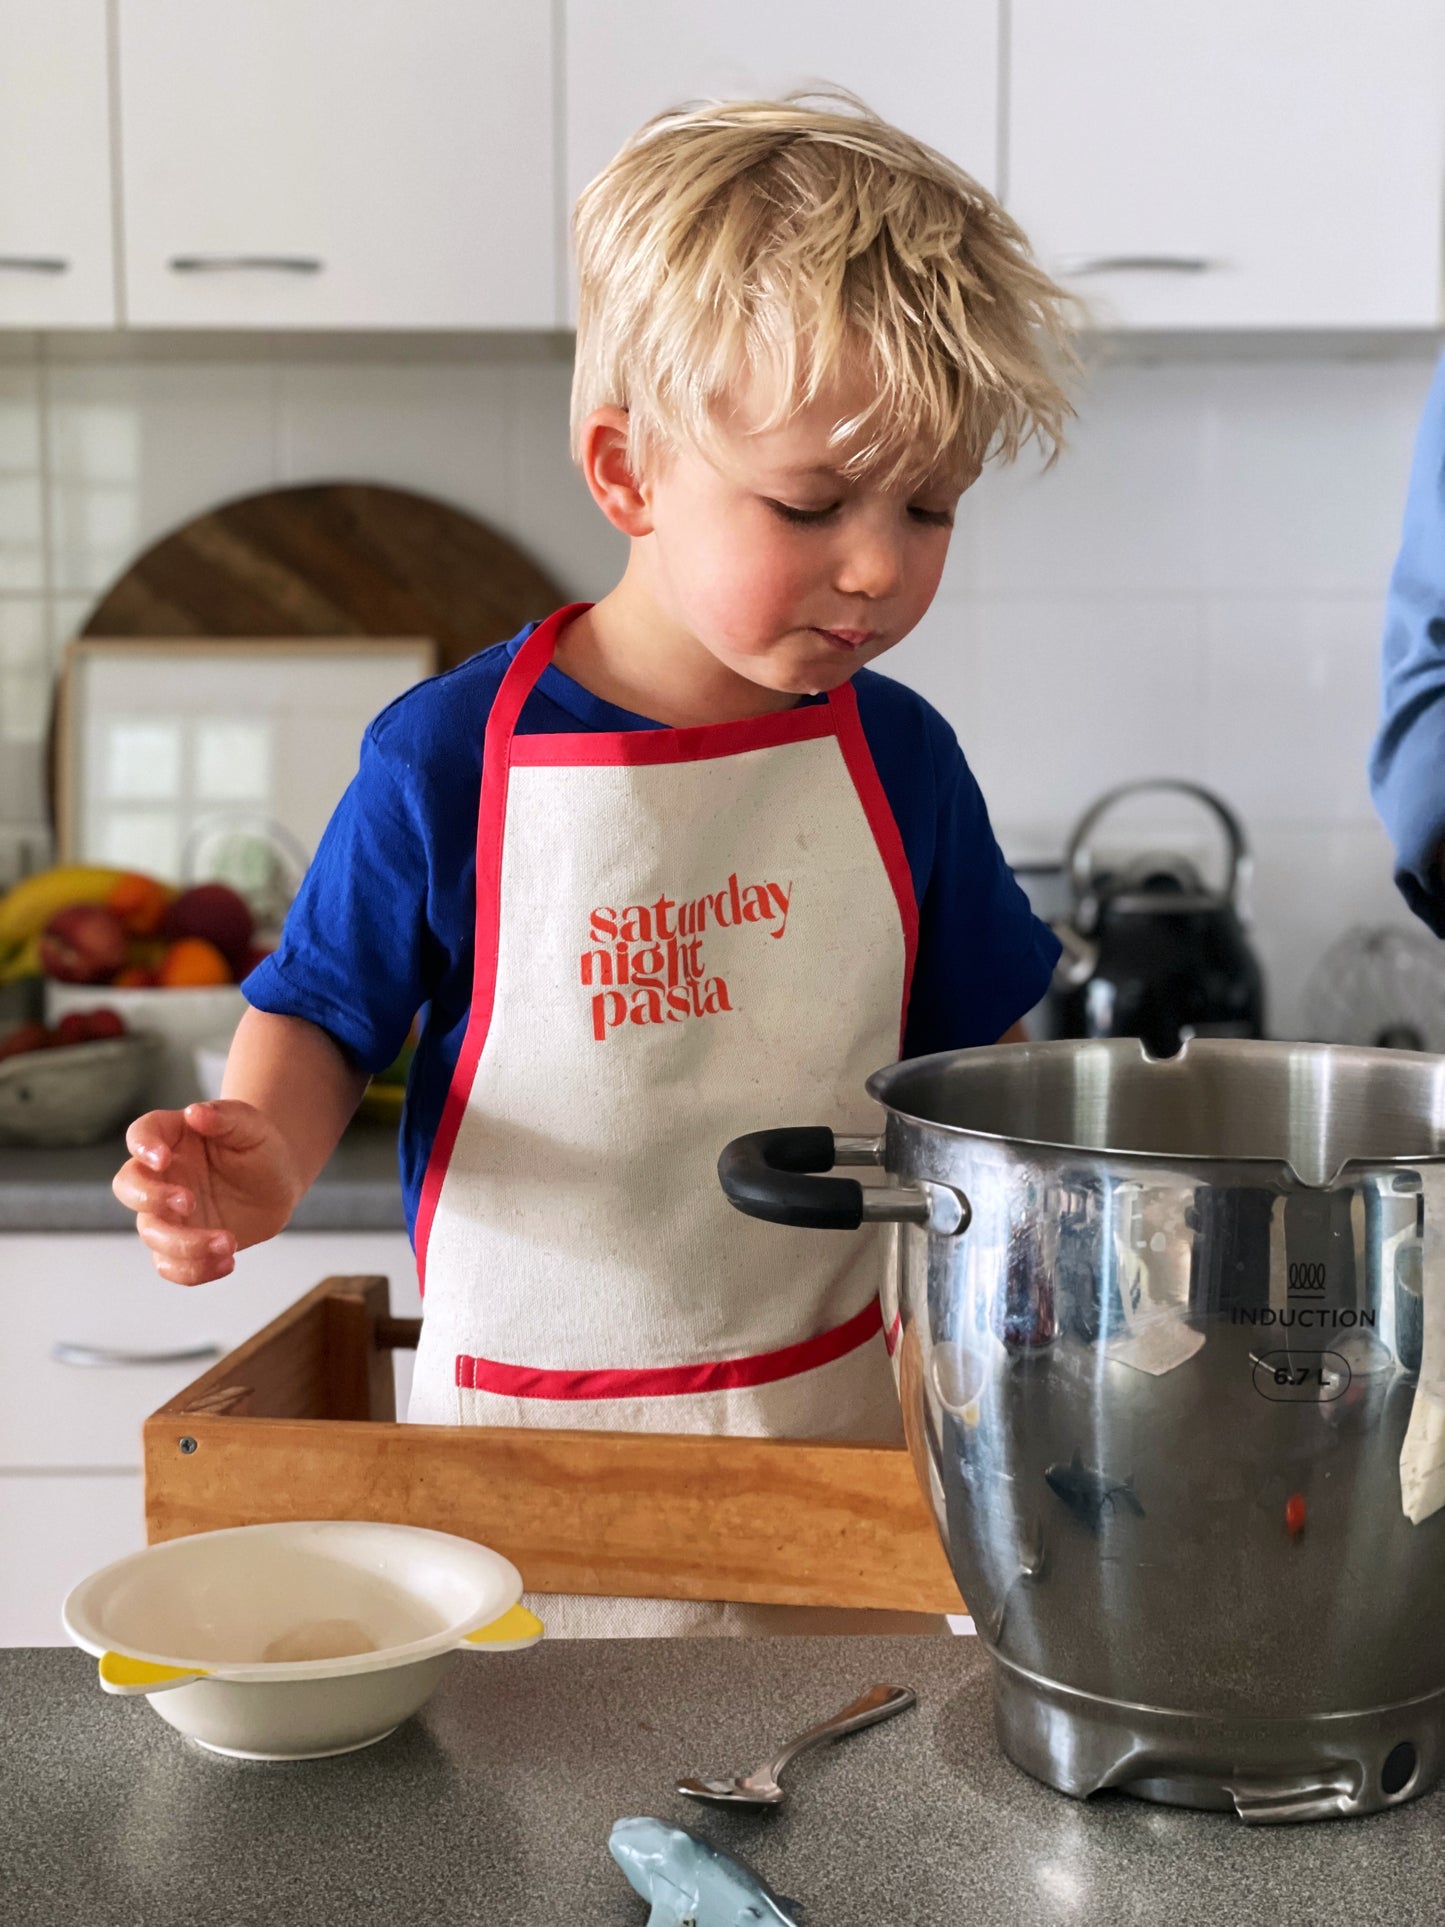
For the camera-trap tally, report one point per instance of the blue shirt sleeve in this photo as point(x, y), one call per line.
point(984, 958)
point(353, 953)
point(1407, 767)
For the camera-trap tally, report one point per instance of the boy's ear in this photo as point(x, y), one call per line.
point(620, 495)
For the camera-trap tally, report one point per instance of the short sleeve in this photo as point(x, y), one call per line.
point(1407, 768)
point(984, 958)
point(354, 952)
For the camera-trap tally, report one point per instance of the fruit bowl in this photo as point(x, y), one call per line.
point(178, 1019)
point(74, 1094)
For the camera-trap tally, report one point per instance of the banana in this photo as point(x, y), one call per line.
point(24, 961)
point(28, 906)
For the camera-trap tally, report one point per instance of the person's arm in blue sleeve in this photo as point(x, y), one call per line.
point(1407, 767)
point(984, 959)
point(354, 956)
point(333, 1004)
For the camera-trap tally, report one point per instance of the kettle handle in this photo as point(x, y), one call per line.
point(1076, 860)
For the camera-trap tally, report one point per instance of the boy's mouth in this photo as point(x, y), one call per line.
point(849, 638)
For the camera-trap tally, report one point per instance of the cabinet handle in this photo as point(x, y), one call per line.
point(34, 263)
point(1081, 264)
point(104, 1355)
point(226, 263)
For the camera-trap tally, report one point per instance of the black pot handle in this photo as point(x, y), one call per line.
point(762, 1175)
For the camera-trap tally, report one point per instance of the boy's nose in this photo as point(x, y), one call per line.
point(871, 565)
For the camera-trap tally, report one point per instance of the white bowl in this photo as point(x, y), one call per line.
point(295, 1641)
point(70, 1094)
point(180, 1018)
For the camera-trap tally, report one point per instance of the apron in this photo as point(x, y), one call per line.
point(681, 935)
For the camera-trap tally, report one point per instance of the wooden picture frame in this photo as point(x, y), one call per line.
point(158, 738)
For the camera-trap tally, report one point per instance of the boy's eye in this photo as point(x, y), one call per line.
point(791, 514)
point(934, 518)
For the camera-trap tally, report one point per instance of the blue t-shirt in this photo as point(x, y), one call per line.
point(1407, 768)
point(383, 924)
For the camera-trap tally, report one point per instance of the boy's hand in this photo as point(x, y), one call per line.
point(204, 1183)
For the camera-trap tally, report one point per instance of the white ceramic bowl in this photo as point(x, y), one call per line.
point(72, 1094)
point(298, 1641)
point(180, 1018)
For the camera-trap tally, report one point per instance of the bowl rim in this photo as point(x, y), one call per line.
point(78, 1613)
point(86, 1052)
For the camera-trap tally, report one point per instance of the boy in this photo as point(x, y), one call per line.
point(676, 865)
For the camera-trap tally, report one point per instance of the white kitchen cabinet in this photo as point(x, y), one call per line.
point(83, 1312)
point(54, 1530)
point(338, 164)
point(70, 1430)
point(1220, 164)
point(931, 66)
point(57, 266)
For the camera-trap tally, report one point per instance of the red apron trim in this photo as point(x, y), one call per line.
point(890, 1337)
point(886, 834)
point(637, 747)
point(526, 666)
point(671, 1381)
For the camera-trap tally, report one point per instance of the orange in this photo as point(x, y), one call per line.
point(191, 961)
point(134, 977)
point(140, 902)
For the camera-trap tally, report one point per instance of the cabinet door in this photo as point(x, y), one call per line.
point(55, 1530)
point(95, 1340)
point(931, 66)
point(56, 263)
point(1227, 163)
point(338, 164)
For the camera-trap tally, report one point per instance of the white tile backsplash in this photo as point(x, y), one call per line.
point(1291, 698)
point(1195, 588)
point(1058, 700)
point(447, 431)
point(138, 447)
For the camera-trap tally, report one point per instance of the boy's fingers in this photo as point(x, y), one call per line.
point(186, 1256)
point(223, 1118)
point(141, 1189)
point(154, 1137)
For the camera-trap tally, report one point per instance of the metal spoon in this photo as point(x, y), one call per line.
point(760, 1788)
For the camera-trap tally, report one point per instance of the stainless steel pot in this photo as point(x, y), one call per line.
point(1169, 1338)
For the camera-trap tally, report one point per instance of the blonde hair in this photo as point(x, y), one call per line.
point(780, 238)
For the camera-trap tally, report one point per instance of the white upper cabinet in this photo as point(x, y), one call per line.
point(931, 66)
point(57, 267)
point(1233, 163)
point(338, 163)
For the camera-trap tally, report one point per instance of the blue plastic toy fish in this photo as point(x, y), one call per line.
point(1089, 1494)
point(690, 1883)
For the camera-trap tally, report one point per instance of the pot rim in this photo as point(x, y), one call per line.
point(1119, 1048)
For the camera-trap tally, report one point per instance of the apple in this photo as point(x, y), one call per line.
point(83, 944)
point(88, 1026)
point(26, 1037)
point(215, 913)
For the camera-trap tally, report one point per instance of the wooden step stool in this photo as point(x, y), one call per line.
point(299, 1422)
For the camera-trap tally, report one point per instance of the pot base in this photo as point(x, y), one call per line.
point(1329, 1766)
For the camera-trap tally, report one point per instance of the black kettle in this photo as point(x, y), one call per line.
point(1150, 950)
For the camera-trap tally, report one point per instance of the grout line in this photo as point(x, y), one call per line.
point(46, 463)
point(562, 226)
point(117, 174)
point(1005, 82)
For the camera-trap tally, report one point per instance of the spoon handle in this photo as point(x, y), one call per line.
point(878, 1703)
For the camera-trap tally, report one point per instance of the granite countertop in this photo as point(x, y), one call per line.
point(360, 1189)
point(494, 1806)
